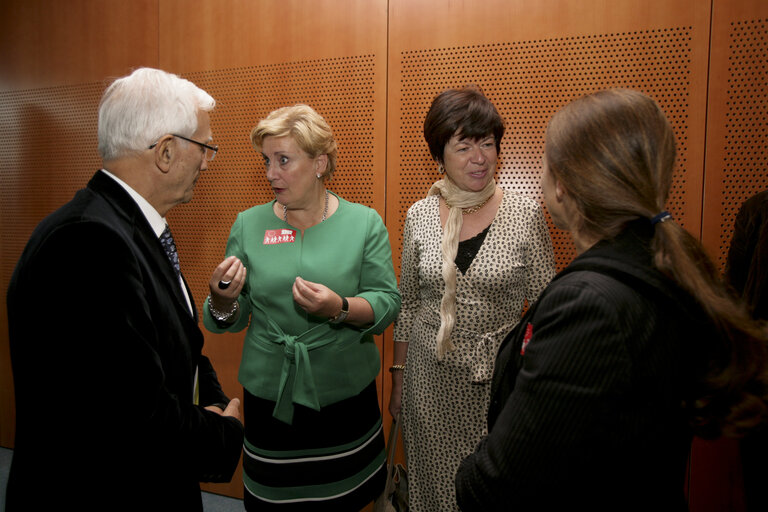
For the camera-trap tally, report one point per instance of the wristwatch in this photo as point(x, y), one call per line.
point(343, 313)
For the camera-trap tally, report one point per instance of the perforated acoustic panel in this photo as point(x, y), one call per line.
point(340, 89)
point(48, 152)
point(528, 82)
point(744, 166)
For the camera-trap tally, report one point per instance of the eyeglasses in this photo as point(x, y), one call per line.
point(210, 151)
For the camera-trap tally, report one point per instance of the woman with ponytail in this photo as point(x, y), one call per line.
point(472, 255)
point(632, 349)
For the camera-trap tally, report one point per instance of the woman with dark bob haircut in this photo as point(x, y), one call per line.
point(472, 255)
point(632, 349)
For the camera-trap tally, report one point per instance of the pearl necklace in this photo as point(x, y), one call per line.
point(473, 209)
point(325, 210)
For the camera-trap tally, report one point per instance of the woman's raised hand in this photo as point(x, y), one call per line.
point(227, 282)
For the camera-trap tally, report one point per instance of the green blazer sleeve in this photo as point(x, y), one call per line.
point(378, 284)
point(234, 248)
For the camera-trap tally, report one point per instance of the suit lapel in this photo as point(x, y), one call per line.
point(145, 237)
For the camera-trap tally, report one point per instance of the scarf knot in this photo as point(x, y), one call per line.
point(456, 199)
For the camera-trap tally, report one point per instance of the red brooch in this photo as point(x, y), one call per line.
point(526, 338)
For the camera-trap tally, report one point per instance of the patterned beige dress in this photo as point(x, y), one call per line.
point(445, 403)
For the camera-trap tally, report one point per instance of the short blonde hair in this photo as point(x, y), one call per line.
point(308, 128)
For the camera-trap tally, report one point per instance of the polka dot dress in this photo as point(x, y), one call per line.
point(445, 403)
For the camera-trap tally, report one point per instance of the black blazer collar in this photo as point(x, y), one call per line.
point(143, 234)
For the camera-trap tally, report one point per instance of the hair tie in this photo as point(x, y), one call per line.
point(660, 217)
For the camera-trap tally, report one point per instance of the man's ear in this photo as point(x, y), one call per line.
point(164, 150)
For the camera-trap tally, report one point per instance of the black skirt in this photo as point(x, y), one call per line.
point(332, 459)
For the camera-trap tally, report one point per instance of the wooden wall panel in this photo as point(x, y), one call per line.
point(50, 42)
point(736, 168)
point(737, 116)
point(223, 34)
point(530, 62)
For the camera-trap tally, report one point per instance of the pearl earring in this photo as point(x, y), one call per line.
point(319, 176)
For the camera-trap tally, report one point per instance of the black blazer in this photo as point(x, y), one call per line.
point(747, 263)
point(586, 397)
point(104, 350)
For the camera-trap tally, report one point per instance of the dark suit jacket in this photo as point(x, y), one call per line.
point(747, 264)
point(104, 350)
point(586, 397)
point(747, 272)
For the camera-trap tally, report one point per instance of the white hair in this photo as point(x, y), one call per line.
point(138, 109)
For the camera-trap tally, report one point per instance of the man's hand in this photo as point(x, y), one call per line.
point(233, 409)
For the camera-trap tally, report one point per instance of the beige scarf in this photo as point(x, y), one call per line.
point(456, 199)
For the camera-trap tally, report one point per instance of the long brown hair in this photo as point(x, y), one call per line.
point(614, 153)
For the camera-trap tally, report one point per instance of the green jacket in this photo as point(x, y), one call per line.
point(290, 356)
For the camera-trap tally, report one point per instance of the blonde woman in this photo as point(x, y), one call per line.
point(319, 283)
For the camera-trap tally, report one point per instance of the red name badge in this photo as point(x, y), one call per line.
point(279, 236)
